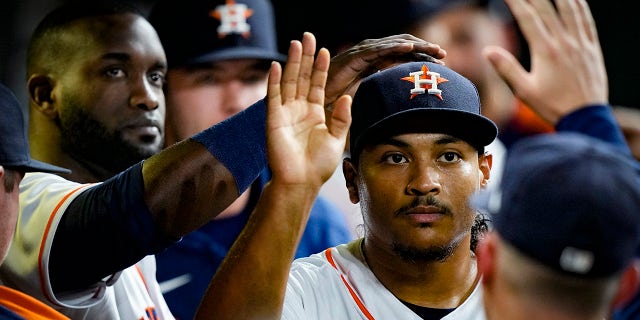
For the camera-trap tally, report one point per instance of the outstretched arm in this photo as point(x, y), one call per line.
point(303, 152)
point(185, 186)
point(199, 175)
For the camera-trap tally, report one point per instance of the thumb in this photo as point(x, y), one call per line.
point(507, 66)
point(341, 117)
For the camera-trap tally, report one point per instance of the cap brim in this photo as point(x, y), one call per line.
point(38, 166)
point(238, 53)
point(475, 129)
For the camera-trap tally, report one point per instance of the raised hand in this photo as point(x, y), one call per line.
point(301, 147)
point(303, 151)
point(567, 65)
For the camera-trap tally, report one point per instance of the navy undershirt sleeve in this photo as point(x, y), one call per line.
point(106, 228)
point(240, 143)
point(596, 121)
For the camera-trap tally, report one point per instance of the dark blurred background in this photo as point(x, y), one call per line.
point(337, 22)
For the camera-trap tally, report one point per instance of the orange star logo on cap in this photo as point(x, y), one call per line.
point(233, 18)
point(425, 81)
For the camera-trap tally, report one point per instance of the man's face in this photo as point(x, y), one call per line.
point(9, 181)
point(414, 189)
point(203, 95)
point(464, 32)
point(109, 95)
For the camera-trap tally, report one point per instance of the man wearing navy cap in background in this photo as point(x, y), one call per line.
point(219, 53)
point(15, 160)
point(567, 226)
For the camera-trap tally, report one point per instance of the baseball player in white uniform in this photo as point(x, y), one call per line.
point(132, 293)
point(417, 153)
point(338, 284)
point(84, 248)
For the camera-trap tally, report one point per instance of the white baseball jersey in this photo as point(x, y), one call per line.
point(336, 284)
point(130, 294)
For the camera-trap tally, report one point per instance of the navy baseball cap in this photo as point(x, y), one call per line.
point(570, 202)
point(14, 146)
point(417, 97)
point(201, 31)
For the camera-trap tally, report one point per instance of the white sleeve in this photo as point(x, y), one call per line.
point(43, 199)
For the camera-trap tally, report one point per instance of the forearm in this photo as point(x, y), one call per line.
point(251, 281)
point(191, 182)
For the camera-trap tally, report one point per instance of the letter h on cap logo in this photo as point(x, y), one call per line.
point(425, 79)
point(233, 18)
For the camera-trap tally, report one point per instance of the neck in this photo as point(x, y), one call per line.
point(434, 284)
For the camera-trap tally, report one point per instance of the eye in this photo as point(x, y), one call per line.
point(157, 78)
point(395, 158)
point(115, 72)
point(255, 77)
point(449, 157)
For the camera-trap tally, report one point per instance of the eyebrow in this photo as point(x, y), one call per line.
point(442, 140)
point(125, 57)
point(116, 56)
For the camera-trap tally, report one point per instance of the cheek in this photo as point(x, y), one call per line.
point(379, 193)
point(9, 208)
point(199, 108)
point(462, 183)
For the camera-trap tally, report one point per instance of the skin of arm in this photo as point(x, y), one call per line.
point(172, 191)
point(185, 186)
point(303, 152)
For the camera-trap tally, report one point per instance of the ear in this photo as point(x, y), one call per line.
point(629, 285)
point(350, 176)
point(485, 162)
point(486, 256)
point(40, 88)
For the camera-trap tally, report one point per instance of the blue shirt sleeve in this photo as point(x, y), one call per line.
point(596, 121)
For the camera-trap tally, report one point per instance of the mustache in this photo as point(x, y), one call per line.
point(143, 122)
point(428, 200)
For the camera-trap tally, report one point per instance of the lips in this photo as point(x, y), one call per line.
point(425, 214)
point(145, 129)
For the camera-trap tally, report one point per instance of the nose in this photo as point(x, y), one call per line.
point(145, 95)
point(423, 180)
point(235, 97)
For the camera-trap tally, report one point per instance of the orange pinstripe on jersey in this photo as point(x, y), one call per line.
point(355, 297)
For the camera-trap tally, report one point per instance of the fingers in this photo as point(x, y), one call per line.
point(306, 64)
point(572, 22)
point(508, 68)
point(589, 23)
point(368, 56)
point(545, 12)
point(531, 26)
point(341, 118)
point(289, 85)
point(319, 77)
point(383, 52)
point(273, 87)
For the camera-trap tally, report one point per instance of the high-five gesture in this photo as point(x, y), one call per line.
point(301, 148)
point(567, 65)
point(303, 151)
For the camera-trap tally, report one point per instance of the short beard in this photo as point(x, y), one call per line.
point(88, 140)
point(432, 254)
point(421, 255)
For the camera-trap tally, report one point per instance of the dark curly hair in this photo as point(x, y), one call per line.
point(479, 229)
